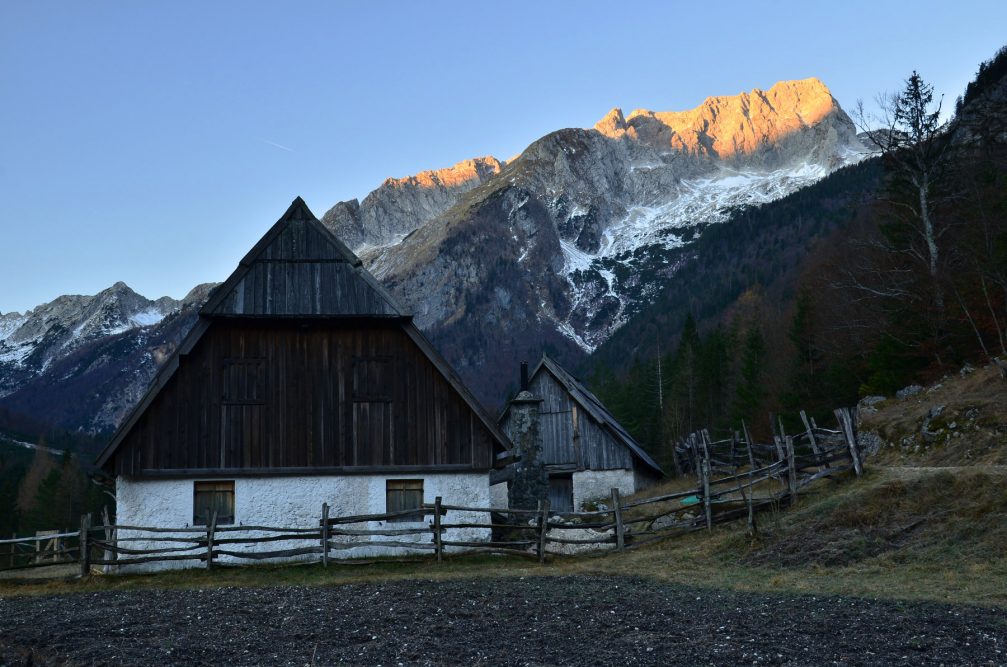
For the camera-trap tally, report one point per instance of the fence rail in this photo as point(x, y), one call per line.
point(753, 478)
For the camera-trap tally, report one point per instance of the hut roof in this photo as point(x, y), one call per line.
point(301, 269)
point(596, 409)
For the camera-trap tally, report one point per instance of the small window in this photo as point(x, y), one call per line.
point(401, 495)
point(210, 497)
point(372, 379)
point(243, 382)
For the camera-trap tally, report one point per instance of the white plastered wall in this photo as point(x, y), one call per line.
point(296, 502)
point(597, 485)
point(498, 495)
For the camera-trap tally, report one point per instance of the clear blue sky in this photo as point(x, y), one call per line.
point(156, 142)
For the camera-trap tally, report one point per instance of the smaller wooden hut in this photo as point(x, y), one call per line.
point(586, 451)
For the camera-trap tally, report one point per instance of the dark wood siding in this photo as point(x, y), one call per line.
point(273, 395)
point(299, 272)
point(569, 435)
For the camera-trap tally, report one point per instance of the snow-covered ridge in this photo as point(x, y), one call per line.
point(700, 201)
point(57, 328)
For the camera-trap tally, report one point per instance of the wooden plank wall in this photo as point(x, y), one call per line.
point(271, 394)
point(302, 273)
point(598, 450)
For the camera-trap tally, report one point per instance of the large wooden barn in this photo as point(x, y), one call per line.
point(586, 451)
point(303, 382)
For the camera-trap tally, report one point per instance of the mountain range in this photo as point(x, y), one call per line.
point(554, 250)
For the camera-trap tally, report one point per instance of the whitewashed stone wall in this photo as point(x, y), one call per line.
point(590, 485)
point(498, 495)
point(296, 502)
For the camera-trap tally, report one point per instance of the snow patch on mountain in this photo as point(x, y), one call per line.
point(10, 323)
point(15, 354)
point(659, 224)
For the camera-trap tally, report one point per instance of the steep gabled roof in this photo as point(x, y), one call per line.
point(596, 409)
point(300, 269)
point(303, 249)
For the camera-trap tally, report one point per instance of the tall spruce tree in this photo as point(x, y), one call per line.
point(750, 392)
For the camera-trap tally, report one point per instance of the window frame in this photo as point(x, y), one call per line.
point(566, 482)
point(416, 485)
point(228, 487)
point(363, 394)
point(257, 366)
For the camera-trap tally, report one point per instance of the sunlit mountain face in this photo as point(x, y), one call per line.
point(569, 239)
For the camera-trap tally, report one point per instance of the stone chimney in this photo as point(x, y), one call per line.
point(530, 483)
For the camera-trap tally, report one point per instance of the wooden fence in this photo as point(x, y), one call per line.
point(736, 479)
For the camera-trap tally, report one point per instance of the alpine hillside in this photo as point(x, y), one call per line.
point(83, 361)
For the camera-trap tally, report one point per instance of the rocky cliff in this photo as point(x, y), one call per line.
point(400, 205)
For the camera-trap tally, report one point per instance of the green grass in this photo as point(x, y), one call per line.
point(894, 534)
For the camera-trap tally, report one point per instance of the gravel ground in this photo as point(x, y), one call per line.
point(527, 621)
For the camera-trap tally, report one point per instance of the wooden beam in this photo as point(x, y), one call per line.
point(705, 474)
point(306, 470)
point(811, 436)
point(85, 548)
point(791, 468)
point(438, 540)
point(543, 527)
point(325, 534)
point(620, 539)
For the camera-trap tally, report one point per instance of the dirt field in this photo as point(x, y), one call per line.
point(513, 621)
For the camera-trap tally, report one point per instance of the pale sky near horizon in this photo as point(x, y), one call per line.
point(154, 143)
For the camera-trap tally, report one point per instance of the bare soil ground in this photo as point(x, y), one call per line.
point(514, 621)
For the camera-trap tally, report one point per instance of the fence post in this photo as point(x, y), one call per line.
point(706, 494)
point(748, 441)
point(814, 442)
point(695, 456)
point(748, 503)
point(751, 484)
point(791, 469)
point(13, 549)
point(846, 426)
point(438, 545)
point(620, 529)
point(85, 550)
point(325, 534)
point(543, 526)
point(110, 554)
point(211, 526)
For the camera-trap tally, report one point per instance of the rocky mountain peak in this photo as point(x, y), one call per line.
point(455, 176)
point(400, 205)
point(731, 126)
point(613, 124)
